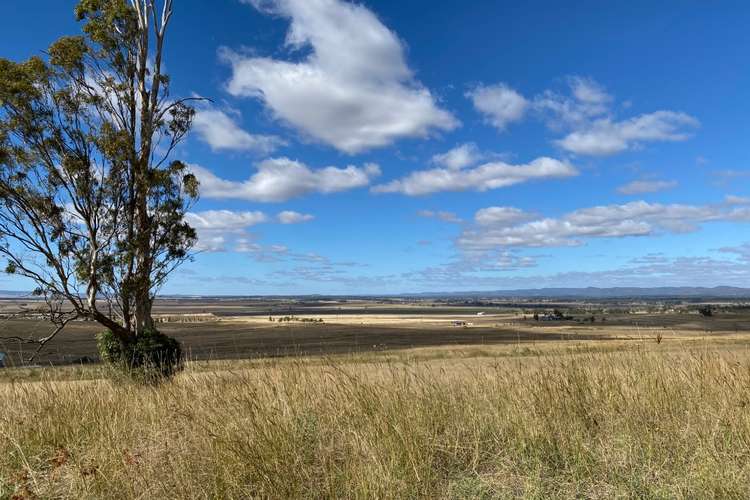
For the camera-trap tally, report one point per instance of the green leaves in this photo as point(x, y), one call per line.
point(19, 81)
point(68, 53)
point(190, 185)
point(85, 202)
point(111, 24)
point(150, 358)
point(181, 118)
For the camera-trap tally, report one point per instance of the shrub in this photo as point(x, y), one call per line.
point(706, 311)
point(150, 358)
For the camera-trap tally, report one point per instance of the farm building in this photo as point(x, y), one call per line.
point(462, 323)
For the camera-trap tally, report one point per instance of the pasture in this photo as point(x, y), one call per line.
point(392, 402)
point(642, 420)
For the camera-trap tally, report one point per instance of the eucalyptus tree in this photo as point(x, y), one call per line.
point(91, 205)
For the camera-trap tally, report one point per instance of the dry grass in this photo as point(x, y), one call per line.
point(641, 423)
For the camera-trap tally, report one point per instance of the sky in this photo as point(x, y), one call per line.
point(385, 147)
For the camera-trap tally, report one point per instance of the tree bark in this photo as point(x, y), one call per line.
point(143, 229)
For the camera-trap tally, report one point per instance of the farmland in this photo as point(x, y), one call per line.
point(215, 329)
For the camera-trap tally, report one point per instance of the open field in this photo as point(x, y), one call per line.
point(240, 328)
point(595, 420)
point(390, 400)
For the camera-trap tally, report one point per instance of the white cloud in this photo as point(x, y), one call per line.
point(680, 271)
point(645, 186)
point(471, 270)
point(592, 128)
point(500, 216)
point(291, 217)
point(280, 179)
point(220, 230)
point(246, 245)
point(224, 220)
point(441, 215)
point(353, 90)
point(216, 227)
point(222, 133)
point(459, 157)
point(637, 218)
point(508, 261)
point(606, 137)
point(210, 243)
point(491, 175)
point(742, 252)
point(588, 100)
point(500, 104)
point(282, 253)
point(736, 200)
point(261, 253)
point(589, 92)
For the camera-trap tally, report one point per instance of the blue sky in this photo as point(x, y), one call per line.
point(387, 147)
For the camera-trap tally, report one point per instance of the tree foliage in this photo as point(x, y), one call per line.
point(149, 358)
point(91, 206)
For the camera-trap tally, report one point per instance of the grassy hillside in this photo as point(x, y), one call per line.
point(646, 422)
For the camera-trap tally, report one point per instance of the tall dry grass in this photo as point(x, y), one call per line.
point(643, 424)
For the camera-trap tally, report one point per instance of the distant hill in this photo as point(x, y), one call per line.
point(11, 294)
point(607, 293)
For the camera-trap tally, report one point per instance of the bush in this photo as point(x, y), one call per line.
point(706, 311)
point(150, 358)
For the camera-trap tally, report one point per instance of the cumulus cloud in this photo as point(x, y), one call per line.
point(606, 137)
point(224, 220)
point(592, 128)
point(588, 100)
point(222, 133)
point(585, 114)
point(279, 179)
point(227, 230)
point(500, 104)
point(208, 242)
point(590, 94)
point(500, 216)
point(353, 90)
point(216, 228)
point(646, 186)
point(484, 177)
point(637, 218)
point(291, 217)
point(459, 157)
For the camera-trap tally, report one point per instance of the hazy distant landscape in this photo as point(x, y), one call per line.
point(241, 328)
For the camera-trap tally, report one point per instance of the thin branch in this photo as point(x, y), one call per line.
point(45, 340)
